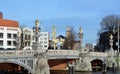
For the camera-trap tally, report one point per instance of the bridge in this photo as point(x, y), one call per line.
point(26, 59)
point(30, 58)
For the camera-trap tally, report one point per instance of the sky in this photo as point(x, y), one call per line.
point(61, 13)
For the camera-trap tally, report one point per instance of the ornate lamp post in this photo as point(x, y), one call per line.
point(80, 34)
point(118, 38)
point(118, 48)
point(37, 31)
point(37, 45)
point(111, 42)
point(41, 57)
point(68, 29)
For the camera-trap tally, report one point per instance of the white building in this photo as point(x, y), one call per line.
point(28, 39)
point(12, 37)
point(8, 37)
point(8, 33)
point(44, 40)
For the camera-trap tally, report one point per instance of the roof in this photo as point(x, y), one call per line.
point(8, 23)
point(61, 36)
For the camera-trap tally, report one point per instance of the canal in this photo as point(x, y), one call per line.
point(95, 72)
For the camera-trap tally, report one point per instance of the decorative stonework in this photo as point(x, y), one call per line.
point(42, 66)
point(111, 54)
point(83, 64)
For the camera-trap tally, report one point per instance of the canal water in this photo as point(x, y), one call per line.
point(95, 72)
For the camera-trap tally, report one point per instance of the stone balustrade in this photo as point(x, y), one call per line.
point(53, 54)
point(63, 54)
point(98, 54)
point(16, 53)
point(30, 53)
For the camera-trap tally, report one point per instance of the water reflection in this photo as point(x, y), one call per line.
point(95, 72)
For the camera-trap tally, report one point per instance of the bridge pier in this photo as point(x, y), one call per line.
point(41, 66)
point(83, 64)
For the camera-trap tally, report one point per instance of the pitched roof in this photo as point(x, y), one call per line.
point(8, 23)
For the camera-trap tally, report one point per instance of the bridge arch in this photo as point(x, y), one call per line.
point(17, 63)
point(96, 64)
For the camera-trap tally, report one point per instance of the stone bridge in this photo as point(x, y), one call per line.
point(26, 59)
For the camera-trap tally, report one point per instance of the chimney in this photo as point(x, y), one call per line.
point(1, 15)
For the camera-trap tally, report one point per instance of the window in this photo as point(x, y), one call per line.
point(14, 43)
point(9, 43)
point(28, 43)
point(1, 42)
point(45, 45)
point(14, 36)
point(25, 37)
point(33, 38)
point(41, 42)
point(25, 43)
point(45, 34)
point(41, 34)
point(45, 42)
point(29, 37)
point(45, 38)
point(9, 36)
point(1, 35)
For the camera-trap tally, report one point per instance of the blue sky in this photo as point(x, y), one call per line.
point(60, 13)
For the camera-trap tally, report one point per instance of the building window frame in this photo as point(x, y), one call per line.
point(9, 35)
point(1, 35)
point(1, 42)
point(14, 43)
point(14, 36)
point(9, 43)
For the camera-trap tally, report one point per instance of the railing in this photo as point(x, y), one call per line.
point(98, 54)
point(53, 54)
point(63, 54)
point(30, 53)
point(16, 53)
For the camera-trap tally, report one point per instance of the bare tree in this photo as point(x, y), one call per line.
point(109, 23)
point(70, 39)
point(22, 37)
point(109, 26)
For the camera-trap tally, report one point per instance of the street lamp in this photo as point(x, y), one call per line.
point(80, 35)
point(111, 42)
point(68, 35)
point(118, 49)
point(118, 38)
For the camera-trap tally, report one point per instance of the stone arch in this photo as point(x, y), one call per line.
point(96, 64)
point(17, 63)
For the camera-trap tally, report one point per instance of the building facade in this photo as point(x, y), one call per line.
point(8, 33)
point(13, 37)
point(26, 38)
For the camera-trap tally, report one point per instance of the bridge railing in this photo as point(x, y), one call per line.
point(98, 54)
point(63, 54)
point(16, 53)
point(30, 53)
point(52, 53)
